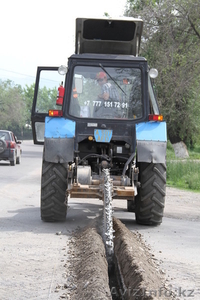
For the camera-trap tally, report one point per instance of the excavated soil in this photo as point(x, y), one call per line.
point(141, 277)
point(87, 267)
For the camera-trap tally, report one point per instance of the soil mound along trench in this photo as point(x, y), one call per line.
point(135, 274)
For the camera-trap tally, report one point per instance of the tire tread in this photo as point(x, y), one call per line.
point(53, 192)
point(150, 201)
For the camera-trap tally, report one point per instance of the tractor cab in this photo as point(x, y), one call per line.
point(104, 80)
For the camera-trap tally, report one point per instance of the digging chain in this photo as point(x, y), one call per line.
point(108, 214)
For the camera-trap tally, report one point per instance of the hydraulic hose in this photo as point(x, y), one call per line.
point(127, 163)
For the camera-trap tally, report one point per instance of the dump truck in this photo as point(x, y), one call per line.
point(99, 121)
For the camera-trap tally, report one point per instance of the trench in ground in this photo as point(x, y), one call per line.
point(134, 274)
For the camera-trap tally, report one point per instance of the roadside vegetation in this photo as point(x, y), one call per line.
point(184, 173)
point(171, 44)
point(15, 108)
point(16, 104)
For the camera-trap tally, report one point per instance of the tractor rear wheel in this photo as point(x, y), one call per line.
point(150, 200)
point(53, 192)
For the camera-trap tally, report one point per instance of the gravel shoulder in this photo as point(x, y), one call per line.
point(182, 204)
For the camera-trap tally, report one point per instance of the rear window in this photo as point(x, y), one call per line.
point(4, 136)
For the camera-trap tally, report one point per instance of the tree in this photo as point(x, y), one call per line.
point(171, 43)
point(12, 106)
point(28, 92)
point(16, 105)
point(46, 99)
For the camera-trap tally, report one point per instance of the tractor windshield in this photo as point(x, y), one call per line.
point(106, 92)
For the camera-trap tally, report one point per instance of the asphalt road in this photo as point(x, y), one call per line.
point(33, 253)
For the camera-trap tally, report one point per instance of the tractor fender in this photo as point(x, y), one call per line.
point(151, 141)
point(59, 138)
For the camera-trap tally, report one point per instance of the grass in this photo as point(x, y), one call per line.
point(184, 174)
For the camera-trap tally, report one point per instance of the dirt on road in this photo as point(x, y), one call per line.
point(136, 274)
point(182, 204)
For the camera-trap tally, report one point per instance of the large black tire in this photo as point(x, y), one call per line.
point(53, 192)
point(150, 201)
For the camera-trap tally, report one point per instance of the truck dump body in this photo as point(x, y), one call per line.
point(108, 36)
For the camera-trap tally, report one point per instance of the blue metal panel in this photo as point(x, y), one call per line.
point(151, 131)
point(59, 128)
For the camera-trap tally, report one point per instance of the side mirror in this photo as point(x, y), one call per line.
point(17, 142)
point(62, 70)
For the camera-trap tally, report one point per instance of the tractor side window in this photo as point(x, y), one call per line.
point(135, 95)
point(106, 93)
point(50, 92)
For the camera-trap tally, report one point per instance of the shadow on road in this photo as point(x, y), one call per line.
point(28, 219)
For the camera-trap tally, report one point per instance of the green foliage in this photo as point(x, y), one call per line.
point(28, 98)
point(184, 174)
point(170, 151)
point(16, 105)
point(12, 105)
point(138, 5)
point(194, 152)
point(171, 43)
point(46, 99)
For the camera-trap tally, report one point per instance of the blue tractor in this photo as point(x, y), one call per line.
point(101, 127)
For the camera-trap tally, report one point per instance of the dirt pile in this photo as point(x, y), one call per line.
point(88, 268)
point(141, 277)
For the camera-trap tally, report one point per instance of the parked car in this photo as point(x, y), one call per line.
point(10, 148)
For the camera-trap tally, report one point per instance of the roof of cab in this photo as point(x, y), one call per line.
point(99, 56)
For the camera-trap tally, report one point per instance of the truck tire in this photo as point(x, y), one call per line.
point(150, 200)
point(53, 192)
